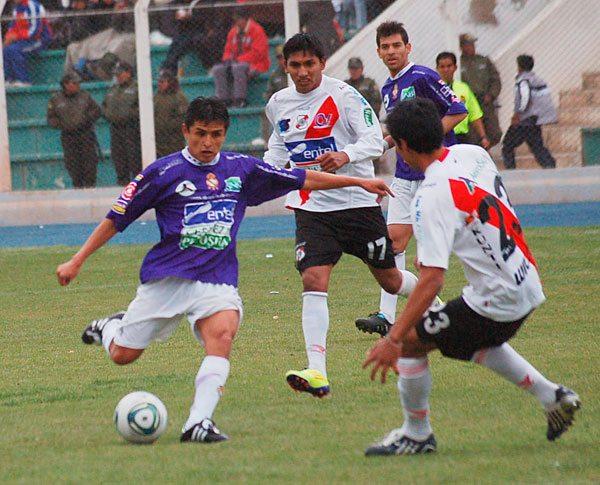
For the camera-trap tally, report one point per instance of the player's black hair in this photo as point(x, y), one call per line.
point(206, 110)
point(303, 43)
point(445, 55)
point(525, 62)
point(417, 122)
point(390, 28)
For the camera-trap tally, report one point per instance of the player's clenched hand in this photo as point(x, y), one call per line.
point(383, 356)
point(331, 161)
point(67, 272)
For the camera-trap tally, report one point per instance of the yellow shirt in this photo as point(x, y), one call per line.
point(464, 93)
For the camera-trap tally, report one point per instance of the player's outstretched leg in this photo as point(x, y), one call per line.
point(308, 380)
point(103, 328)
point(203, 432)
point(560, 403)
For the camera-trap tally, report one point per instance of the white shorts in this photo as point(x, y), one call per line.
point(399, 206)
point(159, 305)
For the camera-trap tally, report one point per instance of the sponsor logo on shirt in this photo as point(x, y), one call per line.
point(284, 125)
point(304, 152)
point(323, 120)
point(212, 182)
point(233, 184)
point(186, 188)
point(408, 93)
point(368, 115)
point(207, 225)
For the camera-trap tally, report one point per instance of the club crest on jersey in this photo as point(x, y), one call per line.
point(185, 188)
point(301, 121)
point(395, 92)
point(212, 182)
point(284, 125)
point(300, 252)
point(408, 93)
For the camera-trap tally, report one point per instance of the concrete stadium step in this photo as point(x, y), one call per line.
point(583, 116)
point(526, 161)
point(25, 103)
point(579, 98)
point(562, 138)
point(31, 139)
point(591, 80)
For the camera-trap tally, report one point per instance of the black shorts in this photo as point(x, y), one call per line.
point(322, 237)
point(459, 332)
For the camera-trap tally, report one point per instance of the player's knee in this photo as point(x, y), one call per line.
point(124, 356)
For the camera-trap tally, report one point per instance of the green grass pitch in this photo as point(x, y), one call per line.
point(57, 396)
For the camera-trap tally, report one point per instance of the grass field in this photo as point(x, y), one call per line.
point(57, 396)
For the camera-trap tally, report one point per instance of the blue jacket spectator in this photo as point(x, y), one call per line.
point(28, 33)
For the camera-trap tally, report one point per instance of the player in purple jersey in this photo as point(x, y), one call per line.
point(407, 81)
point(200, 195)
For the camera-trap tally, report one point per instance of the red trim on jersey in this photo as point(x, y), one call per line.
point(467, 199)
point(445, 153)
point(324, 120)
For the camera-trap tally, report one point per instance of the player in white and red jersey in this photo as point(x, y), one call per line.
point(460, 207)
point(321, 123)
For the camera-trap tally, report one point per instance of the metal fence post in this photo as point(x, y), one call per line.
point(5, 174)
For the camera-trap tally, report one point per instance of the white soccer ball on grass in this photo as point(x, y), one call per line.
point(141, 417)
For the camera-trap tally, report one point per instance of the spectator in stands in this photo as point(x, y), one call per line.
point(446, 67)
point(533, 109)
point(121, 109)
point(277, 81)
point(318, 19)
point(118, 39)
point(480, 73)
point(245, 56)
point(74, 113)
point(195, 32)
point(28, 33)
point(170, 105)
point(353, 15)
point(364, 85)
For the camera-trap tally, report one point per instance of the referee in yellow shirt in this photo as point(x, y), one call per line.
point(446, 67)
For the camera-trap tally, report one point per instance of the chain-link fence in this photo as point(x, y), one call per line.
point(72, 96)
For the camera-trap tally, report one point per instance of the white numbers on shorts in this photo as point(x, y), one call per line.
point(435, 322)
point(380, 244)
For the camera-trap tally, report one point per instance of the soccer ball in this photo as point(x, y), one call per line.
point(140, 417)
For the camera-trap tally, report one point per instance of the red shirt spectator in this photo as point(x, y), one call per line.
point(247, 42)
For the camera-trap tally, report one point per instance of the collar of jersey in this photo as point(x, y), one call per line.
point(194, 161)
point(403, 71)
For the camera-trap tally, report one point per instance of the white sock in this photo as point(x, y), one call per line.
point(210, 380)
point(388, 302)
point(315, 324)
point(414, 385)
point(507, 362)
point(108, 333)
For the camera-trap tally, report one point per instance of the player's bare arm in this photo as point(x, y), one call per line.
point(450, 121)
point(385, 353)
point(332, 161)
point(323, 181)
point(104, 231)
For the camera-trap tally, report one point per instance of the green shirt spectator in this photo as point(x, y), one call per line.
point(463, 91)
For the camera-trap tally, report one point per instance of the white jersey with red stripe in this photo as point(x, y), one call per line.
point(332, 117)
point(463, 207)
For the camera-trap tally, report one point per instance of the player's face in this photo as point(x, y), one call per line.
point(394, 53)
point(306, 70)
point(204, 140)
point(446, 69)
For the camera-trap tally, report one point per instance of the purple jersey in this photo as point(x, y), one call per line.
point(420, 82)
point(199, 208)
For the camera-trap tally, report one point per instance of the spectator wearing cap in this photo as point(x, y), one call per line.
point(445, 63)
point(277, 81)
point(28, 32)
point(480, 73)
point(364, 85)
point(170, 105)
point(74, 112)
point(533, 109)
point(245, 56)
point(120, 107)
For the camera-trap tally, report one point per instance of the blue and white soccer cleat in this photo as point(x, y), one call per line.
point(397, 443)
point(374, 323)
point(561, 413)
point(92, 335)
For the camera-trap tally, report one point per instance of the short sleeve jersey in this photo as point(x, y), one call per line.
point(420, 82)
point(199, 208)
point(462, 207)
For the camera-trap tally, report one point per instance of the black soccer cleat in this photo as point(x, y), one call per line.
point(92, 335)
point(397, 443)
point(203, 432)
point(561, 414)
point(374, 323)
